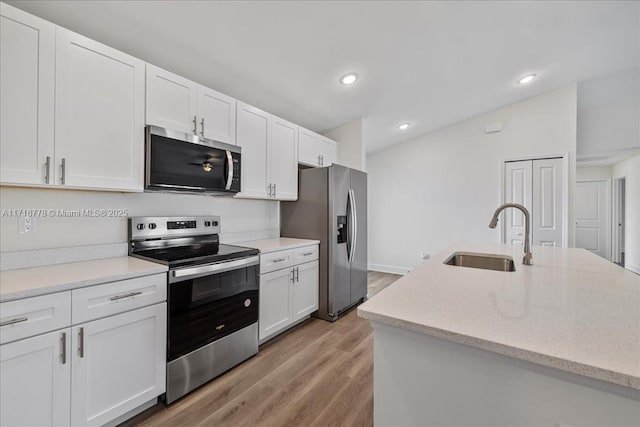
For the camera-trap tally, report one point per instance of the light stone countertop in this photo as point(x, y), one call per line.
point(570, 310)
point(30, 282)
point(278, 244)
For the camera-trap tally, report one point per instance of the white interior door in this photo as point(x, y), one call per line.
point(27, 49)
point(547, 208)
point(592, 217)
point(518, 189)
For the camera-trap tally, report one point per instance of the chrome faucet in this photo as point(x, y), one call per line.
point(527, 260)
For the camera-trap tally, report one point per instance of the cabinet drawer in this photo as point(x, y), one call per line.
point(305, 254)
point(32, 316)
point(275, 261)
point(117, 297)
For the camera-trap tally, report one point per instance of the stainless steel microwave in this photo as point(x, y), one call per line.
point(183, 162)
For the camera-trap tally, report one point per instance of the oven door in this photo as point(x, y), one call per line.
point(206, 307)
point(183, 162)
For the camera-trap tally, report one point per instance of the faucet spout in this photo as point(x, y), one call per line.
point(528, 258)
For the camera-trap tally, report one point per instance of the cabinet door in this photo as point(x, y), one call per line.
point(275, 297)
point(27, 76)
point(283, 159)
point(35, 378)
point(118, 364)
point(171, 100)
point(216, 116)
point(99, 115)
point(253, 135)
point(328, 152)
point(310, 146)
point(305, 290)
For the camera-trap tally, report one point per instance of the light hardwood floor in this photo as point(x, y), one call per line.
point(317, 374)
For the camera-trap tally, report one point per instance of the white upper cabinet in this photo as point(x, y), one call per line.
point(253, 135)
point(269, 155)
point(315, 149)
point(99, 115)
point(172, 101)
point(216, 115)
point(27, 61)
point(176, 103)
point(283, 159)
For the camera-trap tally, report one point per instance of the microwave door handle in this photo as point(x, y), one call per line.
point(229, 170)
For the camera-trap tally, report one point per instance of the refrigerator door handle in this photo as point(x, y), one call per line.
point(353, 225)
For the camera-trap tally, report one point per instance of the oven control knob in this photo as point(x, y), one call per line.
point(247, 302)
point(140, 226)
point(207, 223)
point(152, 226)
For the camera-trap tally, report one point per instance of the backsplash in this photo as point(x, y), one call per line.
point(240, 219)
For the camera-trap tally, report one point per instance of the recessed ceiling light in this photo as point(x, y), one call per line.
point(526, 79)
point(349, 79)
point(403, 126)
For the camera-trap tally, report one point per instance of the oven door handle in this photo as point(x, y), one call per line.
point(182, 274)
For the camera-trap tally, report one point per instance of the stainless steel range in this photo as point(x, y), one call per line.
point(212, 297)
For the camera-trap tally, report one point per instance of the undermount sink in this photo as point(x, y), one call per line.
point(484, 261)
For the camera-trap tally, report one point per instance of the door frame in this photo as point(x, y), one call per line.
point(609, 215)
point(565, 189)
point(616, 199)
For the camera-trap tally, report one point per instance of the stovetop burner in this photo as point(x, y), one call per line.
point(196, 253)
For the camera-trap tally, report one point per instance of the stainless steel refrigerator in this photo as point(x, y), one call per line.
point(332, 208)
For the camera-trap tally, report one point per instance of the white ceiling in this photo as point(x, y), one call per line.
point(429, 63)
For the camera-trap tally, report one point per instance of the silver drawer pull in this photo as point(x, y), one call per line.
point(13, 321)
point(279, 259)
point(130, 294)
point(307, 253)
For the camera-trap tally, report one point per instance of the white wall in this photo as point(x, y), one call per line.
point(350, 146)
point(609, 114)
point(240, 219)
point(631, 170)
point(443, 187)
point(593, 172)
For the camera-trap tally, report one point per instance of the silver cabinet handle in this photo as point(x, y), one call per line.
point(293, 275)
point(63, 168)
point(322, 160)
point(47, 169)
point(81, 342)
point(307, 253)
point(63, 348)
point(297, 274)
point(279, 260)
point(195, 125)
point(13, 321)
point(319, 156)
point(130, 294)
point(269, 187)
point(202, 125)
point(275, 191)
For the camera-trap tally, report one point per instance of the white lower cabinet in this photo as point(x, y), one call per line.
point(305, 290)
point(96, 367)
point(287, 295)
point(118, 364)
point(35, 376)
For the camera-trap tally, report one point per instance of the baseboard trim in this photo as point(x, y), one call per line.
point(390, 269)
point(634, 268)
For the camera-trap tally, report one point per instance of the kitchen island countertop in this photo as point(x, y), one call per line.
point(570, 310)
